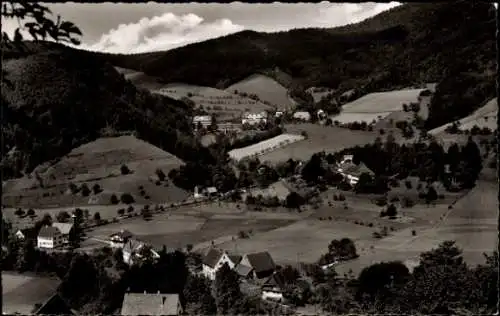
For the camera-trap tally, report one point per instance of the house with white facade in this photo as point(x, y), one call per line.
point(215, 259)
point(273, 288)
point(65, 229)
point(352, 171)
point(118, 239)
point(204, 120)
point(302, 116)
point(49, 237)
point(254, 118)
point(209, 192)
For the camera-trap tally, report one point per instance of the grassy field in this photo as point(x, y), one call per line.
point(319, 138)
point(472, 223)
point(197, 225)
point(485, 116)
point(266, 88)
point(266, 146)
point(379, 106)
point(98, 162)
point(277, 189)
point(225, 104)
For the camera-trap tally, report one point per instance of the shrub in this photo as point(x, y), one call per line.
point(161, 175)
point(73, 188)
point(370, 225)
point(341, 197)
point(19, 212)
point(391, 211)
point(124, 170)
point(381, 131)
point(335, 198)
point(121, 212)
point(31, 212)
point(142, 193)
point(130, 209)
point(96, 188)
point(413, 233)
point(158, 182)
point(329, 218)
point(242, 234)
point(408, 184)
point(127, 198)
point(85, 190)
point(114, 199)
point(147, 197)
point(97, 216)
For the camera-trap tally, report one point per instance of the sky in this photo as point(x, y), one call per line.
point(144, 27)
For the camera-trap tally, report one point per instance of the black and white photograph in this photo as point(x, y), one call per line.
point(249, 158)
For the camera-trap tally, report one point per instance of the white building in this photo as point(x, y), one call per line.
point(204, 120)
point(302, 115)
point(49, 237)
point(273, 288)
point(215, 259)
point(118, 240)
point(254, 118)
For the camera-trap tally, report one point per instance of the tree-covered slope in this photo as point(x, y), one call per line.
point(410, 44)
point(56, 98)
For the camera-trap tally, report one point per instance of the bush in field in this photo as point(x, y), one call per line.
point(96, 188)
point(121, 211)
point(114, 199)
point(124, 170)
point(85, 190)
point(391, 211)
point(127, 198)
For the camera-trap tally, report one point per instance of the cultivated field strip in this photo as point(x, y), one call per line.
point(265, 146)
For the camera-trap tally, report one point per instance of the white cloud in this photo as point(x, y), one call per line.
point(162, 33)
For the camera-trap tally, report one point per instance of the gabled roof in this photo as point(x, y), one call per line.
point(48, 232)
point(234, 258)
point(133, 245)
point(276, 280)
point(212, 257)
point(243, 270)
point(150, 304)
point(261, 261)
point(64, 228)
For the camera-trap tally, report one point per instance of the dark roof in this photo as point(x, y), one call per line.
point(48, 232)
point(234, 258)
point(356, 170)
point(276, 280)
point(55, 306)
point(212, 257)
point(243, 270)
point(261, 261)
point(150, 304)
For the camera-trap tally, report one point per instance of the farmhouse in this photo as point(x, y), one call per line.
point(210, 192)
point(254, 118)
point(134, 251)
point(204, 120)
point(118, 240)
point(243, 271)
point(54, 236)
point(352, 172)
point(65, 229)
point(228, 127)
point(273, 288)
point(151, 304)
point(215, 259)
point(302, 116)
point(261, 263)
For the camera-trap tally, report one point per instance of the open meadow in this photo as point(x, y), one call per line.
point(376, 106)
point(98, 162)
point(226, 104)
point(319, 138)
point(266, 88)
point(197, 225)
point(472, 223)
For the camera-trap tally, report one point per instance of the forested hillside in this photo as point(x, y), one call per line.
point(410, 44)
